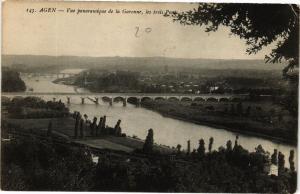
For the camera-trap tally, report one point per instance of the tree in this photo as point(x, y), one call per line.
point(274, 157)
point(148, 145)
point(201, 148)
point(236, 141)
point(118, 130)
point(85, 117)
point(99, 127)
point(103, 122)
point(93, 126)
point(258, 24)
point(11, 81)
point(188, 146)
point(229, 145)
point(259, 159)
point(281, 162)
point(211, 141)
point(178, 147)
point(291, 161)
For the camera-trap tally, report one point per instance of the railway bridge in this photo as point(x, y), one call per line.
point(135, 98)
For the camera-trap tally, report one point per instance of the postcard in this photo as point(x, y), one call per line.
point(149, 97)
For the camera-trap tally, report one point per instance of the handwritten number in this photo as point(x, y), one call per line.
point(148, 30)
point(137, 34)
point(137, 31)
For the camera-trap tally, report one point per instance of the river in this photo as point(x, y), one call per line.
point(167, 131)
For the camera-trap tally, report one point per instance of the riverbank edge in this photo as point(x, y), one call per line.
point(223, 127)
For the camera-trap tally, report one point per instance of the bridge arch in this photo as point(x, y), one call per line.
point(132, 99)
point(185, 99)
point(106, 99)
point(159, 98)
point(119, 99)
point(199, 99)
point(211, 99)
point(146, 98)
point(173, 99)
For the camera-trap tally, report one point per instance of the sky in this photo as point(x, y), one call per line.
point(111, 34)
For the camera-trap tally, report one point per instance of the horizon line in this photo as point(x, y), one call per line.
point(116, 56)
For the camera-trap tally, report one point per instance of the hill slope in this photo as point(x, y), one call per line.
point(133, 63)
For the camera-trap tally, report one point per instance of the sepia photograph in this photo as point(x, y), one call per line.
point(177, 97)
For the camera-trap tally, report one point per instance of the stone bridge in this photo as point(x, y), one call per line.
point(135, 98)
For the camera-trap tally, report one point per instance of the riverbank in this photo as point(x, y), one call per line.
point(222, 126)
point(220, 121)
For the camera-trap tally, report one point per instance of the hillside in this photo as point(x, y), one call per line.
point(133, 63)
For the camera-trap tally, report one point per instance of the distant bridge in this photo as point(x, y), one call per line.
point(136, 98)
point(50, 75)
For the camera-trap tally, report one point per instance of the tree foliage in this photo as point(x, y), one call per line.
point(43, 165)
point(35, 107)
point(11, 81)
point(201, 148)
point(211, 141)
point(148, 145)
point(259, 24)
point(274, 157)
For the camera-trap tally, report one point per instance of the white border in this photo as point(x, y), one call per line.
point(186, 1)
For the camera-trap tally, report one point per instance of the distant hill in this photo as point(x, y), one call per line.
point(133, 63)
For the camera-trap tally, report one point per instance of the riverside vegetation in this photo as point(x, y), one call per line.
point(47, 162)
